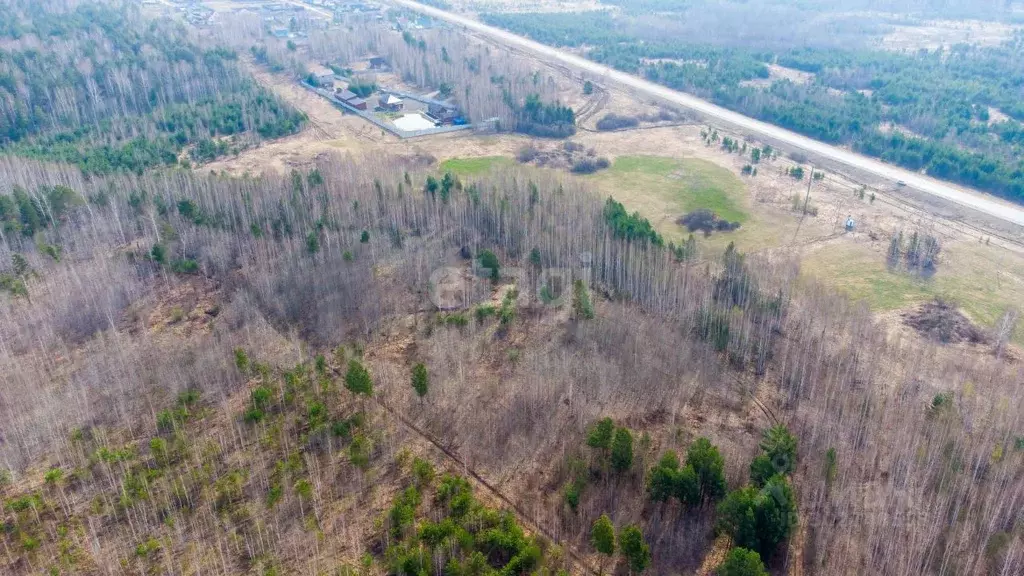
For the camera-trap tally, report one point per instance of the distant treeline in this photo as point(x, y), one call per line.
point(939, 102)
point(980, 9)
point(108, 91)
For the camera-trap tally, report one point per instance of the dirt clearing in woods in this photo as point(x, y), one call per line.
point(776, 73)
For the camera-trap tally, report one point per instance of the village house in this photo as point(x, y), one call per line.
point(391, 103)
point(443, 114)
point(351, 98)
point(344, 94)
point(323, 76)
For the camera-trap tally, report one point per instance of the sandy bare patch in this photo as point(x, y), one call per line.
point(778, 73)
point(936, 34)
point(889, 128)
point(996, 116)
point(676, 61)
point(796, 76)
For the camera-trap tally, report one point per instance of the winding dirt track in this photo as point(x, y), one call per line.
point(978, 201)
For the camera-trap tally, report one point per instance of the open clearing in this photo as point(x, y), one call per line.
point(982, 280)
point(685, 184)
point(660, 188)
point(663, 189)
point(778, 73)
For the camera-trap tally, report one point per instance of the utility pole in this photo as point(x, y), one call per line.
point(807, 200)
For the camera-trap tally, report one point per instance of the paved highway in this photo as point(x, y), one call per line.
point(979, 201)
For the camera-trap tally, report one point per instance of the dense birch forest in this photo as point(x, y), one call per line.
point(289, 269)
point(374, 368)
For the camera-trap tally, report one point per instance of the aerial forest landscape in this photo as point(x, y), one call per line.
point(511, 287)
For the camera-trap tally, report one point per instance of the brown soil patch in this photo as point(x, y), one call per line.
point(942, 322)
point(457, 288)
